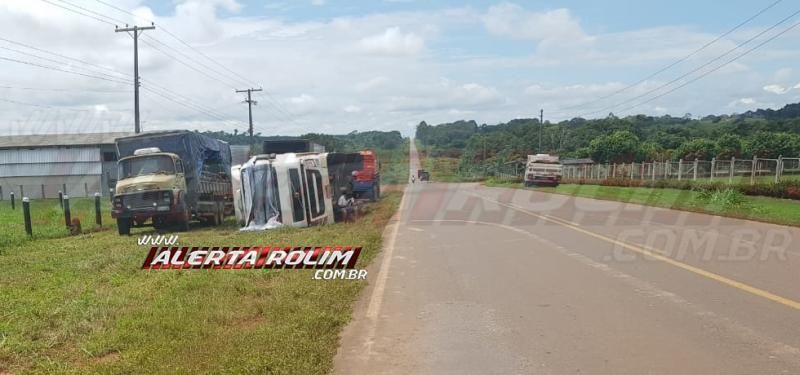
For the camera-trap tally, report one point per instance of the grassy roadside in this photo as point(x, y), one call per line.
point(770, 210)
point(82, 305)
point(394, 165)
point(47, 219)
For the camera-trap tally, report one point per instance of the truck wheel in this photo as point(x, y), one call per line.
point(124, 226)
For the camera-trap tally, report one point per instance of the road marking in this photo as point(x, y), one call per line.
point(383, 272)
point(637, 249)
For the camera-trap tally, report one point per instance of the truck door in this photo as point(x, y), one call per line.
point(296, 186)
point(315, 191)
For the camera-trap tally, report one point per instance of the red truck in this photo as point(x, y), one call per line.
point(367, 181)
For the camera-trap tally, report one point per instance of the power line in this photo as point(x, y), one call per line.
point(165, 53)
point(78, 12)
point(166, 31)
point(91, 12)
point(62, 70)
point(63, 56)
point(698, 68)
point(717, 67)
point(59, 62)
point(687, 57)
point(44, 105)
point(59, 89)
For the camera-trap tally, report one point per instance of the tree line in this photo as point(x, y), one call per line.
point(762, 133)
point(353, 141)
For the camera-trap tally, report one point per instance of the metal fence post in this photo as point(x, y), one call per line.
point(653, 169)
point(753, 170)
point(97, 217)
point(13, 201)
point(680, 168)
point(696, 164)
point(43, 197)
point(713, 166)
point(26, 215)
point(730, 173)
point(779, 168)
point(67, 212)
point(61, 199)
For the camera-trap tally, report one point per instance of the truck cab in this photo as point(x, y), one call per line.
point(542, 170)
point(150, 186)
point(283, 190)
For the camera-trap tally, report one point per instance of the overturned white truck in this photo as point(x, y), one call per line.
point(282, 190)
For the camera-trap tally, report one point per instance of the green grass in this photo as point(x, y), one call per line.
point(83, 305)
point(722, 203)
point(47, 219)
point(394, 165)
point(443, 169)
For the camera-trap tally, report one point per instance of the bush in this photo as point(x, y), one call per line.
point(783, 189)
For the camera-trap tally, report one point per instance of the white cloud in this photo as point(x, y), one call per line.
point(392, 42)
point(317, 2)
point(775, 89)
point(513, 21)
point(352, 109)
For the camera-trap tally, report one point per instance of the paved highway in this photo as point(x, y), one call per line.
point(478, 280)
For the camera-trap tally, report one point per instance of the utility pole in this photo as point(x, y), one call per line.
point(541, 128)
point(250, 103)
point(136, 30)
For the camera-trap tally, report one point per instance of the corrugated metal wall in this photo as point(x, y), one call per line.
point(43, 172)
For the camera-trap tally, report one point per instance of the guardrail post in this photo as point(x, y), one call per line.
point(26, 215)
point(61, 199)
point(13, 201)
point(97, 217)
point(730, 173)
point(64, 188)
point(67, 213)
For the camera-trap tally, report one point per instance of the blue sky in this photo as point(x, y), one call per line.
point(337, 66)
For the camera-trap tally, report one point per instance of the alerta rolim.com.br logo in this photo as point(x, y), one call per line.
point(335, 259)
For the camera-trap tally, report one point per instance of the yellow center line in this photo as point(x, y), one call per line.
point(657, 255)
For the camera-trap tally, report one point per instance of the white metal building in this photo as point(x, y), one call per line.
point(39, 166)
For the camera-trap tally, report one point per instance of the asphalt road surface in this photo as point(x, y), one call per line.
point(479, 280)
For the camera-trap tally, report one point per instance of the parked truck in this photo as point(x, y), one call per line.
point(171, 178)
point(542, 170)
point(367, 180)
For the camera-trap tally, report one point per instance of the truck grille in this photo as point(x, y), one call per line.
point(140, 200)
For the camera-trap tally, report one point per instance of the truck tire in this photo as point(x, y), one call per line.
point(124, 226)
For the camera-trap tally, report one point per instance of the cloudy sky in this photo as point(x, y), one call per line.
point(336, 66)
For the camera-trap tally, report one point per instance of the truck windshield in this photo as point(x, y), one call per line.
point(157, 164)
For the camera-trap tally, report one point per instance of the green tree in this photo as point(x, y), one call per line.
point(772, 145)
point(699, 148)
point(620, 146)
point(729, 146)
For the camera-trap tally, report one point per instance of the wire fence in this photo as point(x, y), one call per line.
point(51, 191)
point(725, 170)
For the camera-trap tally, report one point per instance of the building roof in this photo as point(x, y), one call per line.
point(54, 140)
